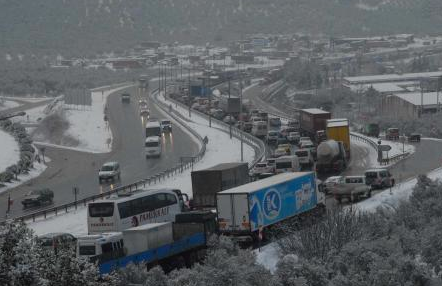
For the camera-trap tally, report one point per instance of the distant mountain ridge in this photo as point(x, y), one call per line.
point(90, 26)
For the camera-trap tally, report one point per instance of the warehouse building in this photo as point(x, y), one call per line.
point(411, 105)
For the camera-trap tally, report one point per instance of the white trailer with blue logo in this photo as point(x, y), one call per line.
point(244, 210)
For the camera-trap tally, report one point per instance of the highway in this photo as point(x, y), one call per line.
point(427, 156)
point(70, 168)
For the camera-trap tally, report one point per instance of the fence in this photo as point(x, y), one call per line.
point(158, 177)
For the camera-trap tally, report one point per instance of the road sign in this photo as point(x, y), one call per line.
point(384, 148)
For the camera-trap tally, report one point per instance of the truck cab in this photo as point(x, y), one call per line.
point(392, 134)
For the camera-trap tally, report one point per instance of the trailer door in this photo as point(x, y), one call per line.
point(232, 212)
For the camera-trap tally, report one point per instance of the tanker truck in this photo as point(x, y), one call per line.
point(331, 157)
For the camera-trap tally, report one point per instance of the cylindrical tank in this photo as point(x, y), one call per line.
point(327, 150)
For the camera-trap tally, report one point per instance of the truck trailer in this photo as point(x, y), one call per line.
point(245, 210)
point(207, 182)
point(331, 157)
point(313, 120)
point(339, 130)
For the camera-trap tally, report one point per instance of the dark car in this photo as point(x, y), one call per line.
point(38, 198)
point(414, 137)
point(125, 97)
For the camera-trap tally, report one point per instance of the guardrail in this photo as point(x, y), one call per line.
point(257, 144)
point(365, 139)
point(158, 177)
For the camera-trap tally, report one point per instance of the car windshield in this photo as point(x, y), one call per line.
point(165, 122)
point(261, 165)
point(151, 144)
point(107, 168)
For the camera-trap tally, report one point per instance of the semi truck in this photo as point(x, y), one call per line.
point(313, 120)
point(246, 210)
point(331, 157)
point(339, 130)
point(207, 182)
point(372, 129)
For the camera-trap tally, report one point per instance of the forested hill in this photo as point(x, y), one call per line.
point(82, 26)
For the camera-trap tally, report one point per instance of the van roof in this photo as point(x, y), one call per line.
point(153, 139)
point(153, 124)
point(265, 183)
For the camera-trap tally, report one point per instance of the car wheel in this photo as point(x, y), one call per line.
point(369, 194)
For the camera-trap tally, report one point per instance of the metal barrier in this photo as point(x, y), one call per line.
point(364, 139)
point(154, 179)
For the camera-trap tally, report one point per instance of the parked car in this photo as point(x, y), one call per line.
point(109, 170)
point(414, 137)
point(330, 182)
point(166, 125)
point(260, 168)
point(379, 178)
point(352, 188)
point(272, 137)
point(38, 197)
point(293, 137)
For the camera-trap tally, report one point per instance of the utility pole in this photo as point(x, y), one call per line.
point(437, 94)
point(242, 126)
point(189, 93)
point(210, 100)
point(165, 80)
point(230, 113)
point(422, 98)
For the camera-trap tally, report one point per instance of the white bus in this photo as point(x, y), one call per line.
point(142, 207)
point(105, 246)
point(289, 163)
point(153, 128)
point(152, 146)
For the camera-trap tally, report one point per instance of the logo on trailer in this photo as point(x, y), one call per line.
point(271, 204)
point(135, 221)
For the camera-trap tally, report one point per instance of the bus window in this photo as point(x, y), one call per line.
point(101, 209)
point(106, 247)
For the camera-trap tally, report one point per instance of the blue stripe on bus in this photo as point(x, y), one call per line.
point(155, 254)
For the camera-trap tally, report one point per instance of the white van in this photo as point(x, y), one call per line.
point(259, 129)
point(286, 164)
point(152, 146)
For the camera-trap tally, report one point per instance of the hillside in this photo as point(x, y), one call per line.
point(90, 26)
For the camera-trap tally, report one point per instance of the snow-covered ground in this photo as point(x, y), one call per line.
point(220, 149)
point(10, 151)
point(396, 149)
point(88, 125)
point(8, 104)
point(33, 173)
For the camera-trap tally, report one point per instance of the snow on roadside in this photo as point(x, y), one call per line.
point(23, 178)
point(8, 104)
point(219, 149)
point(396, 149)
point(10, 153)
point(391, 198)
point(268, 256)
point(88, 126)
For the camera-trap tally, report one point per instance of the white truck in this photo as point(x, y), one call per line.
point(246, 210)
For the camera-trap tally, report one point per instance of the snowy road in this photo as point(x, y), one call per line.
point(71, 168)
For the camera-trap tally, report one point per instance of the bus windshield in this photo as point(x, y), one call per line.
point(101, 209)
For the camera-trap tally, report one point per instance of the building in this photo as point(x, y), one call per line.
point(372, 79)
point(411, 105)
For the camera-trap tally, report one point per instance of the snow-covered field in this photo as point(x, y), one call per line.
point(88, 126)
point(10, 151)
point(220, 149)
point(8, 104)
